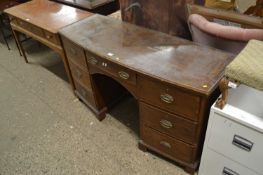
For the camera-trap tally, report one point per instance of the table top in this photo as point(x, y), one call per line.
point(170, 59)
point(47, 14)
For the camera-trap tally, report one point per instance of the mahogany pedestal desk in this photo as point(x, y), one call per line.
point(41, 20)
point(174, 81)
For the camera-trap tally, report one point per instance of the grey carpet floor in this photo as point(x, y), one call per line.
point(45, 129)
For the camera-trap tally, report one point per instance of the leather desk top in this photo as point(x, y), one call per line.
point(47, 14)
point(170, 59)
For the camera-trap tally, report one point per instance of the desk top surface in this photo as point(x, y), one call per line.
point(47, 14)
point(169, 59)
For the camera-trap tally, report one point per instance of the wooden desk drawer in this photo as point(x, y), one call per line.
point(53, 38)
point(169, 98)
point(29, 27)
point(167, 123)
point(168, 145)
point(74, 53)
point(85, 94)
point(113, 69)
point(241, 144)
point(80, 75)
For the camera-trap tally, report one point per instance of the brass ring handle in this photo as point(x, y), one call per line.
point(166, 124)
point(93, 60)
point(124, 75)
point(166, 144)
point(167, 98)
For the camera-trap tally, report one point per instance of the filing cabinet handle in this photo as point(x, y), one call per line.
point(227, 171)
point(166, 124)
point(78, 73)
point(242, 143)
point(124, 75)
point(167, 98)
point(166, 144)
point(73, 51)
point(93, 61)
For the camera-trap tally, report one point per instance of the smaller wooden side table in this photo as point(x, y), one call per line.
point(41, 20)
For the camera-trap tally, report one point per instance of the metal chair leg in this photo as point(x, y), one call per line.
point(2, 31)
point(4, 37)
point(16, 35)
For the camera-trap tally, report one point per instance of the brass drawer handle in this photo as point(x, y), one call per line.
point(73, 51)
point(166, 124)
point(93, 60)
point(124, 75)
point(166, 144)
point(78, 74)
point(167, 98)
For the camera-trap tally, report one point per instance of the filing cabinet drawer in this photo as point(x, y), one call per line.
point(111, 68)
point(168, 145)
point(80, 75)
point(167, 123)
point(216, 164)
point(74, 53)
point(53, 38)
point(241, 144)
point(169, 98)
point(85, 94)
point(29, 27)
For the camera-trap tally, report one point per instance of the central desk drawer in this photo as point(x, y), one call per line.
point(167, 123)
point(74, 53)
point(111, 68)
point(169, 98)
point(168, 145)
point(80, 75)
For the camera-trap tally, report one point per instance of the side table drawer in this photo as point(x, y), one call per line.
point(168, 145)
point(53, 38)
point(216, 164)
point(29, 27)
point(240, 143)
point(74, 53)
point(80, 75)
point(169, 98)
point(167, 123)
point(111, 68)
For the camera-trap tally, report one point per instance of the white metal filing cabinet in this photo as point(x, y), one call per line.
point(234, 137)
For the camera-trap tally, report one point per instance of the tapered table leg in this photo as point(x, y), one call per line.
point(20, 46)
